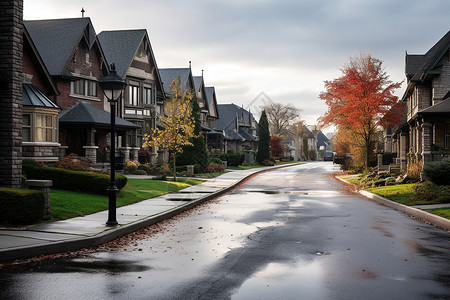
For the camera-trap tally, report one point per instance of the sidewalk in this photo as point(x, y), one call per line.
point(90, 230)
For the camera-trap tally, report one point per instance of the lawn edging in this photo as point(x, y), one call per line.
point(411, 211)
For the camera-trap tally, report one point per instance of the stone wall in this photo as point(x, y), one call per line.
point(11, 77)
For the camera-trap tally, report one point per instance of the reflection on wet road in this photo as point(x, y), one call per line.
point(293, 233)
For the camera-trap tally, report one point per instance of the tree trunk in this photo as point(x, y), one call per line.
point(174, 168)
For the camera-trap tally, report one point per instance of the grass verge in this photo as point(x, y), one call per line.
point(443, 212)
point(68, 204)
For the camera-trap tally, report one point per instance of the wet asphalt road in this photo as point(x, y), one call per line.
point(293, 233)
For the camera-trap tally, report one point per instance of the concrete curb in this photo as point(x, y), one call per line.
point(421, 215)
point(111, 234)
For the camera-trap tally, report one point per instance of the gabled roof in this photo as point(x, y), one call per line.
point(322, 140)
point(84, 113)
point(228, 114)
point(198, 81)
point(57, 40)
point(32, 96)
point(212, 102)
point(120, 47)
point(170, 74)
point(442, 108)
point(37, 58)
point(418, 66)
point(199, 86)
point(306, 131)
point(227, 121)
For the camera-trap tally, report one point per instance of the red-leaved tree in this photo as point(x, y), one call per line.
point(276, 150)
point(361, 101)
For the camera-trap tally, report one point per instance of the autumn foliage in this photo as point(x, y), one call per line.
point(361, 101)
point(177, 122)
point(276, 150)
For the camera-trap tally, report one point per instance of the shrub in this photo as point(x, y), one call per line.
point(165, 169)
point(21, 206)
point(217, 161)
point(233, 159)
point(438, 172)
point(94, 182)
point(131, 166)
point(429, 191)
point(73, 162)
point(215, 168)
point(268, 162)
point(413, 170)
point(144, 167)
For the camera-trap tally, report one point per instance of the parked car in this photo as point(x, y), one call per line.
point(328, 156)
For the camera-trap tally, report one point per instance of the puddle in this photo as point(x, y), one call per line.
point(285, 281)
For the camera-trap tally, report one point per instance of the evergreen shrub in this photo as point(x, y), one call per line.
point(438, 172)
point(233, 159)
point(21, 206)
point(93, 182)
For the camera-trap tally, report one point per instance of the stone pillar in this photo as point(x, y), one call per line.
point(402, 151)
point(11, 77)
point(379, 160)
point(189, 170)
point(126, 152)
point(427, 140)
point(42, 185)
point(90, 152)
point(62, 151)
point(134, 153)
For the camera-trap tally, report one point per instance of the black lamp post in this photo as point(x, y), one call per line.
point(112, 86)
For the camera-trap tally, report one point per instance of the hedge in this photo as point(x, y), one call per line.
point(21, 206)
point(74, 180)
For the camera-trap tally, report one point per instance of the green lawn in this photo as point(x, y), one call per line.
point(400, 193)
point(68, 204)
point(443, 212)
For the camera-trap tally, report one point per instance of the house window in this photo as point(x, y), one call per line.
point(447, 136)
point(44, 128)
point(84, 87)
point(26, 128)
point(133, 93)
point(148, 95)
point(40, 127)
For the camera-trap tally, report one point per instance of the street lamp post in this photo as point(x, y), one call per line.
point(112, 86)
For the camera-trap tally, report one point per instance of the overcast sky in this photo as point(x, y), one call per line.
point(283, 48)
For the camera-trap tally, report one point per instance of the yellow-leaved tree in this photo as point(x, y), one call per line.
point(177, 122)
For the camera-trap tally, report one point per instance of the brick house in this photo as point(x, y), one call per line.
point(426, 134)
point(143, 99)
point(75, 61)
point(40, 124)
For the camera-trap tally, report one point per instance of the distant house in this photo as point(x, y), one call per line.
point(143, 99)
point(426, 134)
point(307, 144)
point(200, 91)
point(75, 61)
point(214, 137)
point(239, 127)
